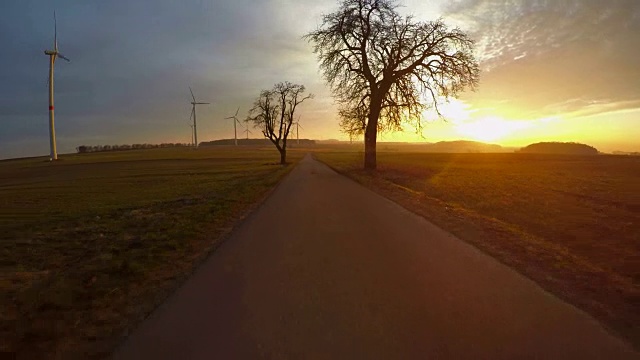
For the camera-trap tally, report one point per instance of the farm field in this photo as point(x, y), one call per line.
point(91, 244)
point(570, 223)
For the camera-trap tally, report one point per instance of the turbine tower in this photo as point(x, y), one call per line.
point(297, 124)
point(53, 54)
point(235, 127)
point(193, 114)
point(191, 126)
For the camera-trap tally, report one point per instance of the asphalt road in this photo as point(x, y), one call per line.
point(326, 269)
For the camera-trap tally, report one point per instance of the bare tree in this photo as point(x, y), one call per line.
point(273, 113)
point(386, 69)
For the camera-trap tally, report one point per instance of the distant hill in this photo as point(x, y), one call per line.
point(331, 141)
point(456, 146)
point(559, 148)
point(255, 142)
point(464, 146)
point(630, 153)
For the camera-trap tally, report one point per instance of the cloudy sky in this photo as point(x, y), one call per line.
point(552, 70)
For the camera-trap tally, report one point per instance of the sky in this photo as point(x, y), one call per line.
point(551, 70)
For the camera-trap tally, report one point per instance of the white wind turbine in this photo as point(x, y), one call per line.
point(235, 127)
point(53, 54)
point(247, 131)
point(297, 124)
point(193, 114)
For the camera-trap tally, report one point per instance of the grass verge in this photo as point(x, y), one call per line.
point(572, 224)
point(92, 244)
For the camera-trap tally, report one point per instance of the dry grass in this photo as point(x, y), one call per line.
point(570, 223)
point(91, 244)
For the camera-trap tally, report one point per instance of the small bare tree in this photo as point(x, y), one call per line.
point(385, 69)
point(273, 113)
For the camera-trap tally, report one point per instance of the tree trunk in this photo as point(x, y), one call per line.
point(370, 138)
point(370, 150)
point(283, 156)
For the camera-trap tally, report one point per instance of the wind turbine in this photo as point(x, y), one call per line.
point(235, 127)
point(193, 114)
point(53, 54)
point(247, 131)
point(297, 124)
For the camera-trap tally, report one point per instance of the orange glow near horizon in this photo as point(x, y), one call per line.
point(491, 128)
point(469, 124)
point(608, 131)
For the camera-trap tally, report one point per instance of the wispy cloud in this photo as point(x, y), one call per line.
point(542, 54)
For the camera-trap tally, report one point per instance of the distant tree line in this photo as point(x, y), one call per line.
point(254, 142)
point(102, 148)
point(568, 148)
point(630, 153)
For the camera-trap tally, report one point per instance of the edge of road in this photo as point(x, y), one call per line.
point(217, 242)
point(633, 347)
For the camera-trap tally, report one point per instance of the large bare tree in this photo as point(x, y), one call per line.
point(386, 69)
point(273, 113)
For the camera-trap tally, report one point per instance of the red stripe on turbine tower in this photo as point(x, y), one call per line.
point(50, 107)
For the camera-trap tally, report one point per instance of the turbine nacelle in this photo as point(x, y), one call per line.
point(55, 52)
point(235, 117)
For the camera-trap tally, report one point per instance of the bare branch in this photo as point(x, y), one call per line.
point(385, 69)
point(273, 113)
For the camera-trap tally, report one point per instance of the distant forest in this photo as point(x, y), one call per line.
point(630, 153)
point(570, 148)
point(82, 149)
point(255, 142)
point(101, 148)
point(559, 148)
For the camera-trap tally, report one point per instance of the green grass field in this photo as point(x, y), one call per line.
point(91, 244)
point(571, 223)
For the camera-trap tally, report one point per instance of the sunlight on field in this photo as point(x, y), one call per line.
point(568, 222)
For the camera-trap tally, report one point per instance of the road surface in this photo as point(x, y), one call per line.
point(326, 269)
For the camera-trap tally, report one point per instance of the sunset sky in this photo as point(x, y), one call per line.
point(551, 70)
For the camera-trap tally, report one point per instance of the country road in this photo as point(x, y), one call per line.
point(327, 269)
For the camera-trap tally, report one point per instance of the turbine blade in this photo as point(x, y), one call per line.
point(63, 57)
point(237, 111)
point(202, 103)
point(55, 32)
point(193, 96)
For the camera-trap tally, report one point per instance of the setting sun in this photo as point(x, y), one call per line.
point(490, 128)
